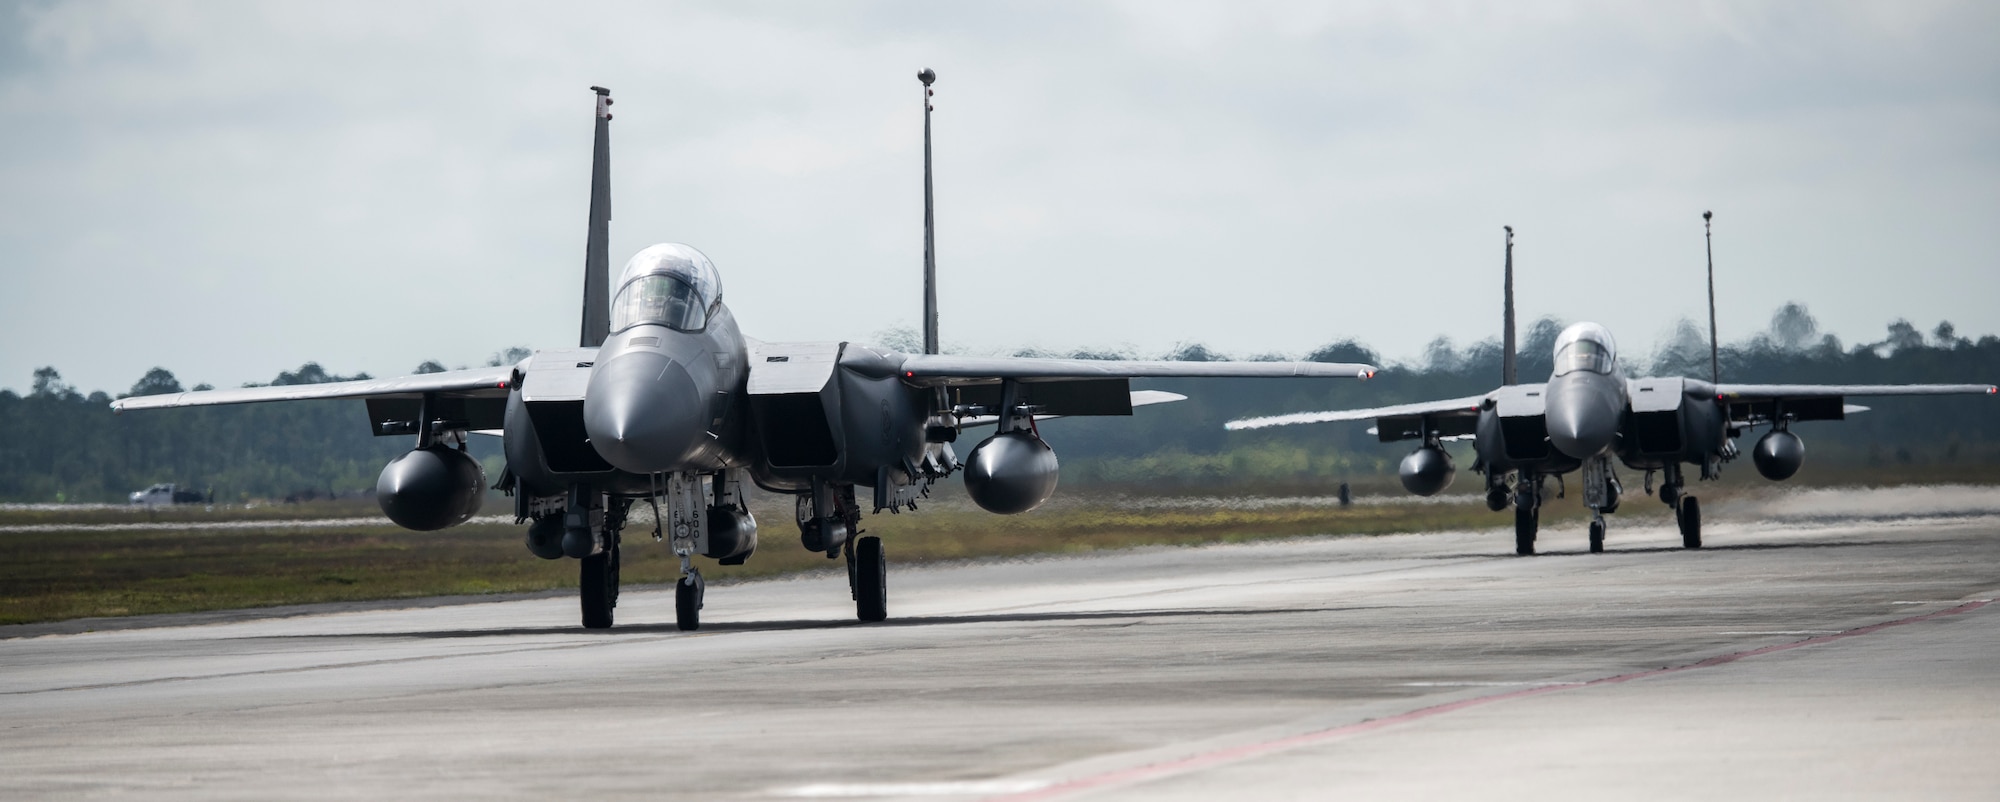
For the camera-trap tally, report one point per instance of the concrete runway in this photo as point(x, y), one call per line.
point(1414, 666)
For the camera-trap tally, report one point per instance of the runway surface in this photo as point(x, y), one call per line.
point(1838, 658)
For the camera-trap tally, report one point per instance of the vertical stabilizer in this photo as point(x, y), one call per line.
point(930, 227)
point(1714, 347)
point(1508, 357)
point(597, 251)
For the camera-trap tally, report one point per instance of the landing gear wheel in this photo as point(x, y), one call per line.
point(1689, 514)
point(687, 602)
point(1526, 520)
point(1597, 537)
point(871, 580)
point(595, 579)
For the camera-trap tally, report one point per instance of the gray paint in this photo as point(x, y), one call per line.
point(1558, 426)
point(678, 396)
point(597, 259)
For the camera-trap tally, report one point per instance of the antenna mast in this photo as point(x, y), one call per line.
point(1714, 348)
point(1507, 353)
point(930, 227)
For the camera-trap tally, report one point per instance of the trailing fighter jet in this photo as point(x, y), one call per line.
point(1587, 413)
point(665, 403)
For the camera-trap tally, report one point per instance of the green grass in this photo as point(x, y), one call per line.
point(26, 515)
point(75, 573)
point(230, 558)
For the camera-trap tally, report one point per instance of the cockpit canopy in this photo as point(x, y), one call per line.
point(669, 284)
point(1585, 346)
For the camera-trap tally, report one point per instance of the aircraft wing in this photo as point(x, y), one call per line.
point(1763, 402)
point(1140, 398)
point(1467, 407)
point(475, 383)
point(933, 370)
point(1769, 392)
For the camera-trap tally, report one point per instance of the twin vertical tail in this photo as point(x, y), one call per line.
point(597, 251)
point(1508, 356)
point(930, 227)
point(1714, 347)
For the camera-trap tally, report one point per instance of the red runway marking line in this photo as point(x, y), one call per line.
point(1237, 753)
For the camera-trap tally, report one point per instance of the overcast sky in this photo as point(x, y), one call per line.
point(231, 189)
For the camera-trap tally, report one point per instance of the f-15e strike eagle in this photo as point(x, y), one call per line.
point(1587, 413)
point(665, 403)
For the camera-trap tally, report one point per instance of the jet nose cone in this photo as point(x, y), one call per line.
point(643, 412)
point(1582, 423)
point(1580, 436)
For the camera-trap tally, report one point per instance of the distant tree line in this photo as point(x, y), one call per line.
point(1185, 443)
point(58, 443)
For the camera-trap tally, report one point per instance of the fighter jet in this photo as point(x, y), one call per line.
point(665, 403)
point(1587, 413)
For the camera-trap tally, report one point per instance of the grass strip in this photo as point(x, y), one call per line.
point(65, 574)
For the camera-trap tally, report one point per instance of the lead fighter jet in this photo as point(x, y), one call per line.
point(1587, 414)
point(666, 404)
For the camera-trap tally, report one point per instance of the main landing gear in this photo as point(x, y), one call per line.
point(584, 523)
point(1687, 509)
point(868, 578)
point(830, 521)
point(593, 524)
point(1526, 521)
point(1527, 513)
point(1688, 515)
point(598, 582)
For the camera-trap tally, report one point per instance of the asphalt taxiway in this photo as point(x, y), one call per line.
point(1842, 655)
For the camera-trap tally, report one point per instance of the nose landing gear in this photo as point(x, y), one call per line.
point(1600, 494)
point(687, 599)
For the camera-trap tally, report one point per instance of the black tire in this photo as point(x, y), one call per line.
point(687, 603)
point(871, 580)
point(1690, 520)
point(594, 579)
point(1596, 537)
point(1526, 519)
